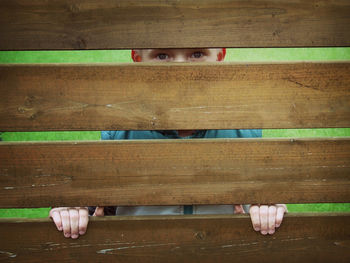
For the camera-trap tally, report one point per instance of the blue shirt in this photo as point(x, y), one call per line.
point(177, 210)
point(132, 135)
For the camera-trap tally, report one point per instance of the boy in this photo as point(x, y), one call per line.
point(74, 220)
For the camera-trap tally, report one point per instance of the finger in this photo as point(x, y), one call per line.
point(279, 215)
point(284, 206)
point(272, 219)
point(83, 220)
point(99, 211)
point(65, 222)
point(56, 209)
point(51, 211)
point(74, 222)
point(264, 219)
point(56, 217)
point(239, 209)
point(255, 217)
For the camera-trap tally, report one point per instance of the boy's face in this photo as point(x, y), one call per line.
point(179, 55)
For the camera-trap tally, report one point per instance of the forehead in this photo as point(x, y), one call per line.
point(178, 51)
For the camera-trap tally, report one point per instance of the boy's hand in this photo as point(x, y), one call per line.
point(265, 218)
point(239, 209)
point(72, 221)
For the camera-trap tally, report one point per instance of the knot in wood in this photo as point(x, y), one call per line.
point(200, 235)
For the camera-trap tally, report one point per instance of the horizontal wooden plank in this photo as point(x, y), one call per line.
point(301, 238)
point(107, 24)
point(170, 172)
point(174, 96)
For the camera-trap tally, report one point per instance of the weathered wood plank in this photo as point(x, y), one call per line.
point(174, 96)
point(107, 24)
point(301, 238)
point(169, 172)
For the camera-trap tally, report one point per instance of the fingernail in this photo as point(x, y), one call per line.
point(264, 232)
point(74, 236)
point(60, 228)
point(81, 233)
point(66, 234)
point(277, 225)
point(271, 232)
point(257, 229)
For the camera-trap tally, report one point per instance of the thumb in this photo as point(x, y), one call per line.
point(239, 209)
point(99, 211)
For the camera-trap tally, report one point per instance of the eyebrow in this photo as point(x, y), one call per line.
point(160, 50)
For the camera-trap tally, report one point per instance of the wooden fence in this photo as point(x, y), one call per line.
point(52, 97)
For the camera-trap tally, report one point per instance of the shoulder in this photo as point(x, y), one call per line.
point(112, 135)
point(233, 133)
point(250, 133)
point(130, 135)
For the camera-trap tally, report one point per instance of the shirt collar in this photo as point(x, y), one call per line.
point(171, 134)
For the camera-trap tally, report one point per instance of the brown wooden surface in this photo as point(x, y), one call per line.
point(107, 24)
point(168, 172)
point(224, 238)
point(174, 96)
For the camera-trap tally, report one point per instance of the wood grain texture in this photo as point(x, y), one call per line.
point(170, 172)
point(224, 238)
point(174, 96)
point(108, 24)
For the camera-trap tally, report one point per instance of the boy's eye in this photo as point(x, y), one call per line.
point(197, 54)
point(162, 56)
